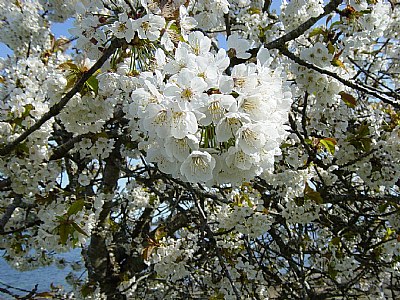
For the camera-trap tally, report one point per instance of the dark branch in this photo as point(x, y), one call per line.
point(280, 42)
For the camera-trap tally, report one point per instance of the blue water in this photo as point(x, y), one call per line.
point(44, 276)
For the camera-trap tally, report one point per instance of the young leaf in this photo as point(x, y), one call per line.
point(77, 228)
point(348, 99)
point(76, 207)
point(329, 144)
point(316, 31)
point(93, 84)
point(44, 295)
point(312, 195)
point(160, 233)
point(147, 251)
point(68, 65)
point(331, 48)
point(63, 231)
point(338, 63)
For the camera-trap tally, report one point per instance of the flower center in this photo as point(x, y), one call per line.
point(121, 27)
point(249, 135)
point(248, 105)
point(187, 94)
point(239, 82)
point(161, 117)
point(198, 163)
point(215, 109)
point(145, 25)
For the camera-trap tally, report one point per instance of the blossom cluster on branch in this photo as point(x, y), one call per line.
point(203, 149)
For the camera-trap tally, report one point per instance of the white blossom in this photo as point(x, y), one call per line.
point(198, 167)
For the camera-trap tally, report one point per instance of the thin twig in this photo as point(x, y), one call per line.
point(367, 74)
point(304, 115)
point(210, 235)
point(63, 149)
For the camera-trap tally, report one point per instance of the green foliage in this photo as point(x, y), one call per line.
point(360, 139)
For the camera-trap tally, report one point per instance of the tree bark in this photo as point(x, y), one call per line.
point(103, 269)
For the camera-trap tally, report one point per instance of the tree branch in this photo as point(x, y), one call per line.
point(346, 82)
point(63, 149)
point(212, 239)
point(280, 42)
point(8, 213)
point(56, 108)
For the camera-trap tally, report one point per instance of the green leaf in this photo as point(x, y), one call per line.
point(76, 207)
point(44, 295)
point(335, 24)
point(21, 149)
point(361, 139)
point(285, 145)
point(174, 27)
point(388, 234)
point(93, 84)
point(61, 218)
point(338, 63)
point(308, 141)
point(234, 94)
point(160, 233)
point(348, 99)
point(329, 144)
point(253, 10)
point(71, 80)
point(363, 130)
point(312, 195)
point(28, 108)
point(316, 31)
point(87, 289)
point(366, 144)
point(382, 208)
point(68, 65)
point(63, 231)
point(77, 228)
point(331, 48)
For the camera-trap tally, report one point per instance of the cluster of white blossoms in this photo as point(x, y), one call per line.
point(95, 109)
point(296, 12)
point(209, 13)
point(59, 10)
point(265, 189)
point(22, 27)
point(205, 126)
point(23, 93)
